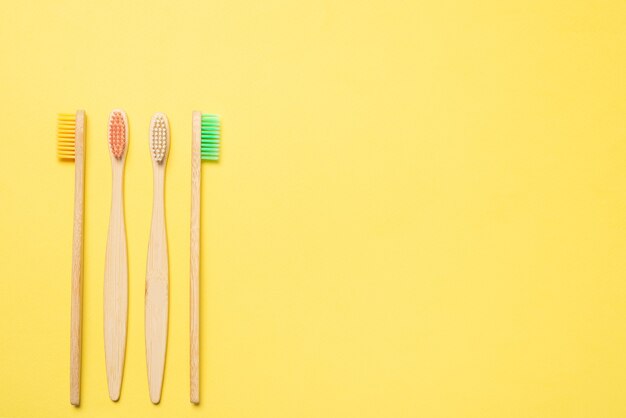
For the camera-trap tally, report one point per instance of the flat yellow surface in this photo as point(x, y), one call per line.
point(420, 210)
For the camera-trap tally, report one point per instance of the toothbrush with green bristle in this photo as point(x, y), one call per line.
point(205, 145)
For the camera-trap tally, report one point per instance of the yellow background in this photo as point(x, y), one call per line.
point(420, 209)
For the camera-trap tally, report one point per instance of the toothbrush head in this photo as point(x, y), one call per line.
point(159, 137)
point(118, 133)
point(66, 136)
point(209, 137)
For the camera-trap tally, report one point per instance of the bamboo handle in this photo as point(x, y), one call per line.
point(157, 290)
point(194, 286)
point(77, 260)
point(116, 287)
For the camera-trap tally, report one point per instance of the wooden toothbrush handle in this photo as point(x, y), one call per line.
point(116, 288)
point(157, 291)
point(194, 278)
point(77, 260)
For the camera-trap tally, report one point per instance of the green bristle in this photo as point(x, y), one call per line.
point(210, 137)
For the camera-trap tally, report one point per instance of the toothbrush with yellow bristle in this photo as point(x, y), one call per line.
point(205, 139)
point(116, 260)
point(157, 270)
point(71, 146)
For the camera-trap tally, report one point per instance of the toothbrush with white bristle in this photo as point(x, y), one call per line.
point(157, 273)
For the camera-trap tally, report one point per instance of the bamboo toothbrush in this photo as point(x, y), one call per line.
point(204, 146)
point(116, 261)
point(71, 146)
point(157, 268)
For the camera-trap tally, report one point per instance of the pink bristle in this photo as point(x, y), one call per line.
point(117, 134)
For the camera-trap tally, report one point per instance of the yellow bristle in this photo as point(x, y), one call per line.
point(66, 134)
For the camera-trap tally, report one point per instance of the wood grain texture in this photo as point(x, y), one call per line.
point(77, 260)
point(157, 286)
point(116, 280)
point(194, 285)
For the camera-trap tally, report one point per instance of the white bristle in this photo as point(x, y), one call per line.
point(159, 137)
